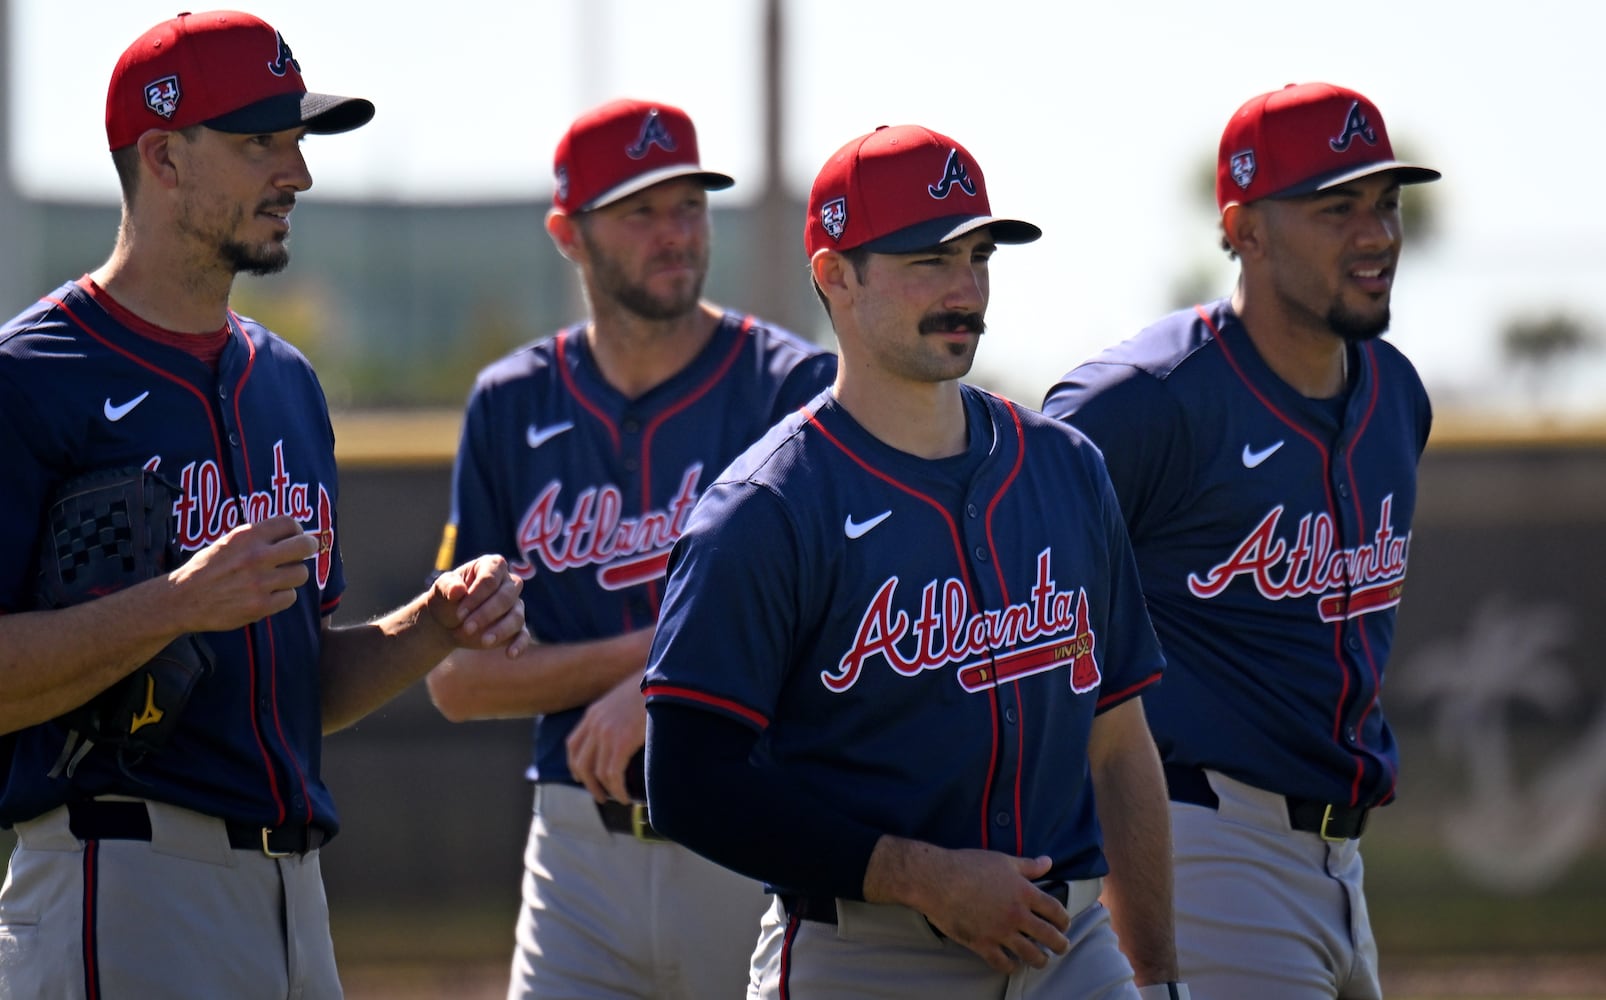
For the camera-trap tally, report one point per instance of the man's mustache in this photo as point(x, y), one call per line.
point(953, 322)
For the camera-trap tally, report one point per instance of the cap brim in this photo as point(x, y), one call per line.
point(324, 114)
point(711, 181)
point(1406, 173)
point(934, 232)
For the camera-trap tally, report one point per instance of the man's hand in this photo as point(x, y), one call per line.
point(248, 574)
point(613, 728)
point(478, 604)
point(984, 900)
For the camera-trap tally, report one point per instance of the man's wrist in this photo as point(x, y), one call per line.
point(1164, 991)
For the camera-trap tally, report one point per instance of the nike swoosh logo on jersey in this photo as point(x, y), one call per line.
point(535, 437)
point(1253, 458)
point(116, 413)
point(857, 529)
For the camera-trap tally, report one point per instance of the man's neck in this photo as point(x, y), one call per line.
point(1311, 358)
point(635, 354)
point(165, 293)
point(924, 419)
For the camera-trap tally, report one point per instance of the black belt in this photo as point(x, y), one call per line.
point(822, 909)
point(628, 817)
point(1330, 822)
point(99, 820)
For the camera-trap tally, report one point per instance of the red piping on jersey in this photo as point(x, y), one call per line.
point(91, 918)
point(998, 567)
point(1366, 642)
point(737, 343)
point(959, 556)
point(217, 441)
point(1117, 696)
point(574, 390)
point(1332, 511)
point(703, 698)
point(273, 651)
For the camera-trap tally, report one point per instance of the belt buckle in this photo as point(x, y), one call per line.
point(270, 852)
point(640, 827)
point(1327, 816)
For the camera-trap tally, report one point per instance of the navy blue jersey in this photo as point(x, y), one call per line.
point(79, 392)
point(584, 491)
point(1271, 534)
point(923, 644)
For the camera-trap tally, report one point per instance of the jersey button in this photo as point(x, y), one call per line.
point(1349, 734)
point(1354, 642)
point(222, 392)
point(630, 426)
point(234, 439)
point(981, 554)
point(1343, 490)
point(1002, 819)
point(1009, 716)
point(632, 465)
point(970, 510)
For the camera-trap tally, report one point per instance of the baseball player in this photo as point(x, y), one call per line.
point(582, 456)
point(1264, 449)
point(189, 869)
point(884, 682)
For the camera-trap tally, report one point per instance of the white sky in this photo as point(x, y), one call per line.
point(1089, 121)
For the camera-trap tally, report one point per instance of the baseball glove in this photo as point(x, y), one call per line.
point(105, 531)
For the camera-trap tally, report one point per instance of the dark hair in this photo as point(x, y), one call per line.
point(859, 258)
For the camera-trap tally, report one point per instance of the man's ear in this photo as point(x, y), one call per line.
point(833, 274)
point(1245, 229)
point(565, 233)
point(161, 154)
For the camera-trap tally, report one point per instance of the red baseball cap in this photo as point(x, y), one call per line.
point(622, 147)
point(223, 69)
point(900, 189)
point(1304, 138)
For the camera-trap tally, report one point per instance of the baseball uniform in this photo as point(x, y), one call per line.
point(107, 895)
point(1272, 533)
point(585, 490)
point(920, 648)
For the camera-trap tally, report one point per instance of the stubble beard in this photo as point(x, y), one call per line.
point(1354, 327)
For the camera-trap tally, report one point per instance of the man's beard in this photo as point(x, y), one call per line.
point(635, 298)
point(1356, 328)
point(259, 260)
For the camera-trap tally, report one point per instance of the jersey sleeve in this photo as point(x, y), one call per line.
point(729, 617)
point(474, 526)
point(1137, 659)
point(810, 377)
point(1141, 430)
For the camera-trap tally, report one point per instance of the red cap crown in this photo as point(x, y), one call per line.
point(223, 69)
point(900, 189)
point(1301, 139)
point(623, 147)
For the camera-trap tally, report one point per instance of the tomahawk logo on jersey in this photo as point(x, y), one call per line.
point(1049, 632)
point(1300, 522)
point(585, 490)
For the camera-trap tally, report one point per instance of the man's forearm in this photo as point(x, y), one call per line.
point(545, 678)
point(1129, 789)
